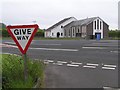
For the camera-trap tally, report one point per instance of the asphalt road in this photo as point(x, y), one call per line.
point(74, 63)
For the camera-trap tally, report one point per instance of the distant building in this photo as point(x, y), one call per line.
point(57, 30)
point(85, 28)
point(119, 15)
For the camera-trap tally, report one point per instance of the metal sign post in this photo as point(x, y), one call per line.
point(25, 66)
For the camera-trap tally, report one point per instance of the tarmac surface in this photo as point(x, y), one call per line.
point(74, 63)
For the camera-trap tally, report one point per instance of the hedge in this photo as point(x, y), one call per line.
point(115, 33)
point(40, 33)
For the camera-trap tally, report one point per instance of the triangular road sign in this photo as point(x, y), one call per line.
point(22, 35)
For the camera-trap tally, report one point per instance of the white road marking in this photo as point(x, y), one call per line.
point(46, 62)
point(50, 61)
point(92, 64)
point(10, 42)
point(11, 54)
point(71, 65)
point(114, 51)
point(62, 62)
point(89, 66)
point(52, 49)
point(76, 63)
point(110, 65)
point(6, 53)
point(6, 45)
point(52, 44)
point(93, 47)
point(108, 68)
point(11, 46)
point(111, 88)
point(49, 49)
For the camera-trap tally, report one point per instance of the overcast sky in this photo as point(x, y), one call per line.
point(49, 12)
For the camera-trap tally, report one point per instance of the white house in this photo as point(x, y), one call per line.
point(57, 30)
point(90, 28)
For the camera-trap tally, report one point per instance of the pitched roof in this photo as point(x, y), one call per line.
point(62, 21)
point(83, 21)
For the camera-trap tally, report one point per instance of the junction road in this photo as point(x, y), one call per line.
point(74, 63)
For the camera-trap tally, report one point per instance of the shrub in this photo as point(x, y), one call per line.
point(5, 33)
point(40, 33)
point(114, 33)
point(13, 72)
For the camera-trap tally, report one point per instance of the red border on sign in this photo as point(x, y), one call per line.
point(15, 40)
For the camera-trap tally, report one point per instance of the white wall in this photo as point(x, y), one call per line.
point(59, 29)
point(98, 30)
point(47, 33)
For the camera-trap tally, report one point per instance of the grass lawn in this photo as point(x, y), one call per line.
point(13, 72)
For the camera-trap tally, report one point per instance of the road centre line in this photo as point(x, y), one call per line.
point(71, 65)
point(93, 47)
point(114, 51)
point(110, 65)
point(62, 62)
point(110, 88)
point(46, 62)
point(8, 53)
point(52, 49)
point(11, 46)
point(9, 42)
point(6, 45)
point(50, 61)
point(76, 63)
point(108, 68)
point(92, 64)
point(52, 44)
point(89, 66)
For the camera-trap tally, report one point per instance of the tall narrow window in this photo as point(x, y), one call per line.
point(95, 25)
point(52, 34)
point(98, 24)
point(69, 32)
point(73, 31)
point(61, 34)
point(78, 30)
point(65, 32)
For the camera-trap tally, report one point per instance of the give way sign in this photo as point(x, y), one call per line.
point(22, 35)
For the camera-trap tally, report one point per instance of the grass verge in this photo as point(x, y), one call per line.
point(13, 72)
point(42, 38)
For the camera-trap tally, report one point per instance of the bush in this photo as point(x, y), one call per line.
point(13, 72)
point(5, 33)
point(114, 33)
point(40, 33)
